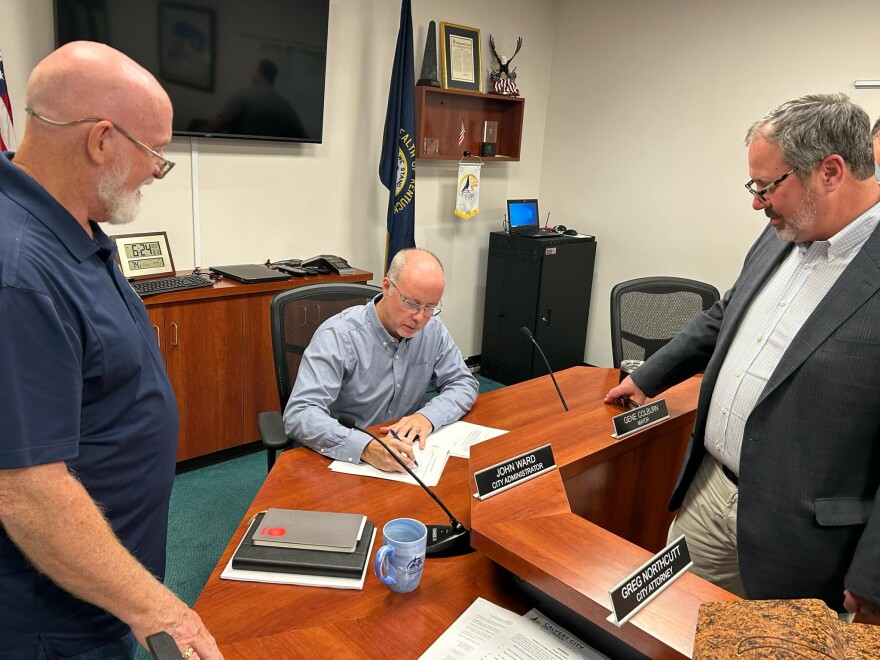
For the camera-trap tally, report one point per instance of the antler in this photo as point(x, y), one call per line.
point(518, 46)
point(492, 46)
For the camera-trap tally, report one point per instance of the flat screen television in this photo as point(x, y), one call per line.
point(233, 68)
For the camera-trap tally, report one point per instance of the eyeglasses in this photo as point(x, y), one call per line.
point(770, 186)
point(430, 310)
point(166, 164)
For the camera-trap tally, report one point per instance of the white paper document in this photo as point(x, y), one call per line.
point(487, 631)
point(431, 462)
point(230, 573)
point(458, 437)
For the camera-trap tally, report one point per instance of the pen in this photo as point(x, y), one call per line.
point(397, 437)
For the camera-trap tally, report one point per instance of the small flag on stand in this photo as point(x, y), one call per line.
point(461, 134)
point(7, 133)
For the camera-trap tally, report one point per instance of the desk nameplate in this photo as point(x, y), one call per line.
point(640, 418)
point(648, 580)
point(514, 471)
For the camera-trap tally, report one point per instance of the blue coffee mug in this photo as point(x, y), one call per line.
point(401, 558)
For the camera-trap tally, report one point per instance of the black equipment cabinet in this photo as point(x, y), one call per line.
point(543, 284)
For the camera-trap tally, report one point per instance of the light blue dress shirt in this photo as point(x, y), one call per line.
point(353, 365)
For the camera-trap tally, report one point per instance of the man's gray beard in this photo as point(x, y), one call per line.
point(801, 220)
point(121, 205)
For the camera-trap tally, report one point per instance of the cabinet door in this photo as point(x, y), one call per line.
point(563, 307)
point(203, 353)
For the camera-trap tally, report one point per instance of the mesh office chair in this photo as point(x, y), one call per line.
point(295, 316)
point(647, 312)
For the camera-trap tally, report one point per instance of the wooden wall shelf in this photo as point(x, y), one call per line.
point(439, 113)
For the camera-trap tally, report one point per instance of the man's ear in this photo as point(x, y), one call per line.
point(100, 148)
point(832, 171)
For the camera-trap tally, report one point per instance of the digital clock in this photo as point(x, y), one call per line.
point(144, 255)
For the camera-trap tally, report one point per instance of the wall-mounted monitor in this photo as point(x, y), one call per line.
point(233, 68)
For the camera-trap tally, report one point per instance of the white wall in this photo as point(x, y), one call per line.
point(649, 103)
point(635, 115)
point(273, 201)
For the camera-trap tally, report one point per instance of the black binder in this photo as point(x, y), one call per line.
point(250, 557)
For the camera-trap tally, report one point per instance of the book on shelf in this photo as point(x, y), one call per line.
point(310, 530)
point(803, 628)
point(252, 557)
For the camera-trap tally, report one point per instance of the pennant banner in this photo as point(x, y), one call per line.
point(467, 198)
point(7, 134)
point(397, 164)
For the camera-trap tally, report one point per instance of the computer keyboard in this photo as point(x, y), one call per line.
point(168, 284)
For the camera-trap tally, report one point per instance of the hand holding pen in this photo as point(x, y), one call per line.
point(397, 437)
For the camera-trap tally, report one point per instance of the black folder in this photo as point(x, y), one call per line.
point(250, 557)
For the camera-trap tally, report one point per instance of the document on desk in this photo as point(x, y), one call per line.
point(431, 460)
point(487, 631)
point(458, 437)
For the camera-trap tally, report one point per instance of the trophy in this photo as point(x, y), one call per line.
point(429, 61)
point(503, 79)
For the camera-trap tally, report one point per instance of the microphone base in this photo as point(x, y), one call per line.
point(448, 541)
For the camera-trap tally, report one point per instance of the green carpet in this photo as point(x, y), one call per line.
point(206, 506)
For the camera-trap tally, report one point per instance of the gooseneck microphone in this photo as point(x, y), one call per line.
point(449, 540)
point(528, 333)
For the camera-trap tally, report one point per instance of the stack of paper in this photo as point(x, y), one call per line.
point(431, 461)
point(487, 631)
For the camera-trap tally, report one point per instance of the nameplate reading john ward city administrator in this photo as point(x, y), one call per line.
point(648, 580)
point(639, 418)
point(514, 471)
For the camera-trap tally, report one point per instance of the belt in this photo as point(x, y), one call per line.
point(731, 477)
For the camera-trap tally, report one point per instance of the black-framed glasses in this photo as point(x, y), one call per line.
point(770, 186)
point(430, 310)
point(166, 164)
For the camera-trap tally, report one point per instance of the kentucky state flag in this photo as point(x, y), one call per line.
point(396, 167)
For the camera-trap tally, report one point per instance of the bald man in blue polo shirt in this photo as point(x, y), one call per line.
point(89, 436)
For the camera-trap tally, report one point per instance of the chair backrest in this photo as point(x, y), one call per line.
point(647, 312)
point(297, 313)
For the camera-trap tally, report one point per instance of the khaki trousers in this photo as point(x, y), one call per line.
point(707, 518)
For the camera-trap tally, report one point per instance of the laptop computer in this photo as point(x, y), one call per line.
point(145, 261)
point(523, 217)
point(250, 273)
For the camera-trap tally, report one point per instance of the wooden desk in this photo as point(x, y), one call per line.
point(252, 620)
point(217, 348)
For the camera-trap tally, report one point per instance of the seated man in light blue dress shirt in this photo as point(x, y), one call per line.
point(374, 362)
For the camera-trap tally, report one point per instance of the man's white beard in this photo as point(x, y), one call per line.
point(121, 205)
point(803, 219)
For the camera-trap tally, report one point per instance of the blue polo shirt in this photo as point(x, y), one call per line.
point(81, 381)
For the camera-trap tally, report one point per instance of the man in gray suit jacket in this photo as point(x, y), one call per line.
point(778, 494)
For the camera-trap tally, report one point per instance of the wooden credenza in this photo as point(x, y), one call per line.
point(217, 348)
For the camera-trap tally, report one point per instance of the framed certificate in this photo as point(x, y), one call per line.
point(460, 52)
point(144, 255)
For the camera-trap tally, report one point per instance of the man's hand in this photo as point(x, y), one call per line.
point(858, 605)
point(184, 626)
point(375, 454)
point(627, 389)
point(411, 428)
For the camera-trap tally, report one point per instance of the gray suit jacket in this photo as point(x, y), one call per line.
point(808, 519)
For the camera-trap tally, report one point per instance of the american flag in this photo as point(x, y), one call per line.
point(7, 134)
point(461, 133)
